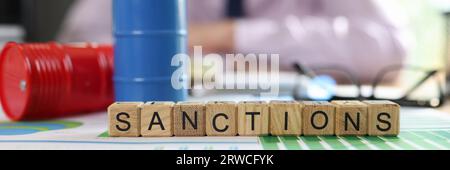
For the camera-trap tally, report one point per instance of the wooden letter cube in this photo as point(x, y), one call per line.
point(384, 118)
point(221, 119)
point(253, 118)
point(156, 119)
point(351, 118)
point(285, 118)
point(124, 119)
point(189, 119)
point(318, 118)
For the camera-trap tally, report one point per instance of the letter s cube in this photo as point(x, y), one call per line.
point(124, 119)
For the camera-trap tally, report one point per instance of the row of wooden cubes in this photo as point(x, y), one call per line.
point(164, 119)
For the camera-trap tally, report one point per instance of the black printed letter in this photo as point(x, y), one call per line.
point(159, 122)
point(215, 125)
point(253, 118)
point(325, 117)
point(123, 121)
point(384, 121)
point(185, 116)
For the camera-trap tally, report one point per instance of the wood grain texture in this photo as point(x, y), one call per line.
point(384, 118)
point(285, 118)
point(189, 119)
point(156, 119)
point(221, 118)
point(124, 119)
point(253, 118)
point(351, 118)
point(318, 118)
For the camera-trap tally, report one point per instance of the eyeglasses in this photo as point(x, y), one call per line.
point(416, 84)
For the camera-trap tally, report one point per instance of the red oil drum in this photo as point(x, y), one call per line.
point(51, 80)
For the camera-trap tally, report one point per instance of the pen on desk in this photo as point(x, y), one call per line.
point(304, 71)
point(313, 87)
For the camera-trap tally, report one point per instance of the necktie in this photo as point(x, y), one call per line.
point(235, 8)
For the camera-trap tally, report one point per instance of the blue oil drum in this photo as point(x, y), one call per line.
point(148, 33)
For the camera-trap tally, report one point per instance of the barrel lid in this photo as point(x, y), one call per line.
point(15, 81)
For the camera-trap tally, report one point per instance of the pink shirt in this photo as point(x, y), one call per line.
point(354, 34)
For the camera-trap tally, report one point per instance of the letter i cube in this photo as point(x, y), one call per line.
point(285, 118)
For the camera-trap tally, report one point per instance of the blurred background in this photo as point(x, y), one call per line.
point(32, 20)
point(41, 20)
point(425, 34)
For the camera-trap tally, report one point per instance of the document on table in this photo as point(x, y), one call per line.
point(420, 129)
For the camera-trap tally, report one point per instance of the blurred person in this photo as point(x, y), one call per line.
point(357, 35)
